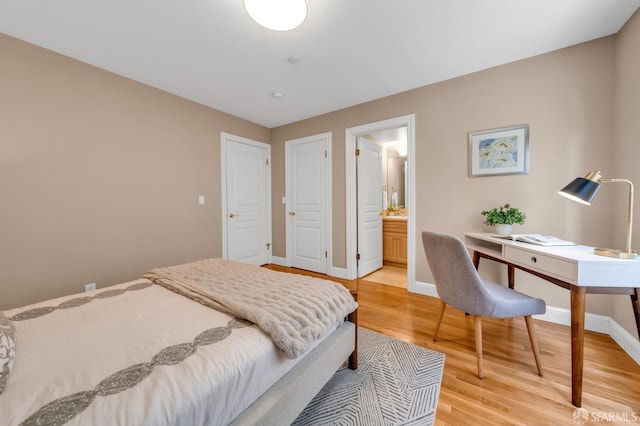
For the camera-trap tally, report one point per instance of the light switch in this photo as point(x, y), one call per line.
point(201, 200)
point(284, 200)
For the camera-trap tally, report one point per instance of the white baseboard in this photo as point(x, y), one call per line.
point(627, 342)
point(424, 289)
point(280, 261)
point(338, 272)
point(333, 271)
point(592, 322)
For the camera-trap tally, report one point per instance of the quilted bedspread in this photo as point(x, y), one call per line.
point(294, 310)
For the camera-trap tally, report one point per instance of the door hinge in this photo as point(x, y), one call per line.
point(357, 152)
point(357, 256)
point(267, 161)
point(268, 246)
point(325, 154)
point(325, 254)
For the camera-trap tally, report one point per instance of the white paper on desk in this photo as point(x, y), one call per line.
point(538, 239)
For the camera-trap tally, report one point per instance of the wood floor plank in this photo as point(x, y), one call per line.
point(511, 391)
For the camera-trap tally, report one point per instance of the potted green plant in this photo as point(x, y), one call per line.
point(503, 218)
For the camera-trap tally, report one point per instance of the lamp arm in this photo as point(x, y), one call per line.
point(630, 220)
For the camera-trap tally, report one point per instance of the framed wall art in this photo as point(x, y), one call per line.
point(499, 151)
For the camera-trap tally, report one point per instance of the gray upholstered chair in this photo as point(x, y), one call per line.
point(460, 286)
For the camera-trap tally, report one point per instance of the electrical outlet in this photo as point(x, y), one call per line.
point(90, 287)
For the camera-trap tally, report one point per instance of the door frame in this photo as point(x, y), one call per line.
point(351, 135)
point(226, 138)
point(328, 198)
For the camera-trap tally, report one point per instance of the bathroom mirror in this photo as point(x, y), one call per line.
point(396, 172)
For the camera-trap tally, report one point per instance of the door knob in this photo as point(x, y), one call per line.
point(232, 215)
point(292, 213)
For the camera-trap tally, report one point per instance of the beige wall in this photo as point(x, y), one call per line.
point(99, 176)
point(567, 98)
point(627, 132)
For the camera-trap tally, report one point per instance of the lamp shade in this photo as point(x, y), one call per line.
point(278, 15)
point(582, 190)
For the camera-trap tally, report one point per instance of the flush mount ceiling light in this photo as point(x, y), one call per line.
point(278, 15)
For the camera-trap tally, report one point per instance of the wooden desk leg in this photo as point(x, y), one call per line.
point(511, 274)
point(476, 259)
point(636, 308)
point(578, 301)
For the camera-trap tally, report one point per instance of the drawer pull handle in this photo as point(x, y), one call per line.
point(533, 259)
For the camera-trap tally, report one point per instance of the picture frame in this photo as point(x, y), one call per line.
point(503, 151)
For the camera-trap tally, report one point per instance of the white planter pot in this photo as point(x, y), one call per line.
point(504, 229)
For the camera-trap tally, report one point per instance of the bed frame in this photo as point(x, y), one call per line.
point(286, 399)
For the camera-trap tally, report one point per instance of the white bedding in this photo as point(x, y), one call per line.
point(293, 309)
point(72, 350)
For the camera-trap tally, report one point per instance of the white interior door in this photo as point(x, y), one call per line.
point(307, 202)
point(351, 190)
point(369, 181)
point(246, 200)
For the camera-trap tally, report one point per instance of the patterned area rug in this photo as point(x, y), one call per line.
point(396, 383)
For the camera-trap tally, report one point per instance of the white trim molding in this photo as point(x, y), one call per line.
point(351, 135)
point(280, 261)
point(625, 340)
point(338, 272)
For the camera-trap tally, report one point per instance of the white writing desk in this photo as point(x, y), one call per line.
point(575, 268)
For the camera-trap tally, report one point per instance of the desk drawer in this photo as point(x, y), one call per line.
point(540, 262)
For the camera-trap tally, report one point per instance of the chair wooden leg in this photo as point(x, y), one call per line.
point(478, 322)
point(534, 343)
point(442, 308)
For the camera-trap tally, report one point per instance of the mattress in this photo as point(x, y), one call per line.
point(136, 353)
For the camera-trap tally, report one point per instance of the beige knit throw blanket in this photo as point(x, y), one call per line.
point(293, 309)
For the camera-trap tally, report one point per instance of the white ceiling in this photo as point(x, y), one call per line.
point(389, 137)
point(348, 51)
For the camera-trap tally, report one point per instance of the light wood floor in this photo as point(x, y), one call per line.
point(389, 275)
point(511, 391)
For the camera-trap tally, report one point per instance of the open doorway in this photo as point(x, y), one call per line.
point(377, 130)
point(390, 192)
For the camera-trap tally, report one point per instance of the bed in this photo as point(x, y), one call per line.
point(161, 350)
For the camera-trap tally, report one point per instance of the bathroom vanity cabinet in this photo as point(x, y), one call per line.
point(394, 241)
